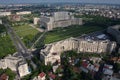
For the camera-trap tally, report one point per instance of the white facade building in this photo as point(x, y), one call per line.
point(23, 12)
point(96, 46)
point(5, 13)
point(23, 69)
point(59, 19)
point(10, 62)
point(52, 51)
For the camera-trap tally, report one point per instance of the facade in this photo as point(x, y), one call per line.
point(16, 64)
point(23, 12)
point(23, 69)
point(96, 46)
point(5, 13)
point(36, 21)
point(10, 62)
point(59, 19)
point(115, 32)
point(51, 53)
point(15, 17)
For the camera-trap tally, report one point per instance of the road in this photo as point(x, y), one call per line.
point(17, 42)
point(40, 30)
point(32, 47)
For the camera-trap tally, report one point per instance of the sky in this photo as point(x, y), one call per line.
point(51, 1)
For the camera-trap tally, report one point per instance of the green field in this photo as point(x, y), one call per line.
point(6, 45)
point(25, 30)
point(26, 33)
point(72, 31)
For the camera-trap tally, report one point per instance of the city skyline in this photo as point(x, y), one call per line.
point(53, 1)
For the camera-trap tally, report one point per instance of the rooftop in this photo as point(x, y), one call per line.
point(42, 74)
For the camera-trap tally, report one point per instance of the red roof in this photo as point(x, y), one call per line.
point(42, 74)
point(3, 77)
point(53, 76)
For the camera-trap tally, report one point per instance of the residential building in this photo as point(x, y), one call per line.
point(42, 76)
point(23, 69)
point(4, 77)
point(17, 64)
point(59, 19)
point(10, 62)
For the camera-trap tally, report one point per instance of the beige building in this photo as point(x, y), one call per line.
point(51, 53)
point(5, 13)
point(96, 46)
point(59, 19)
point(23, 12)
point(17, 64)
point(23, 69)
point(36, 20)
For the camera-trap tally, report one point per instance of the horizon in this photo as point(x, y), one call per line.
point(117, 2)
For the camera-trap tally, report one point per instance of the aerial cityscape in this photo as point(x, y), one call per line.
point(60, 40)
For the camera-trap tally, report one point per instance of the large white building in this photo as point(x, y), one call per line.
point(23, 12)
point(5, 13)
point(96, 46)
point(59, 19)
point(51, 53)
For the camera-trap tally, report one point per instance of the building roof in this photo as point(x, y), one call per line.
point(3, 77)
point(42, 74)
point(53, 76)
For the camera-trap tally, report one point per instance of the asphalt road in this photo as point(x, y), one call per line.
point(17, 41)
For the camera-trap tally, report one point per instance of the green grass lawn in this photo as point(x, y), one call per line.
point(73, 31)
point(25, 30)
point(6, 46)
point(26, 33)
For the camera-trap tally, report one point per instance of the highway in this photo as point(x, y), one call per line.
point(22, 50)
